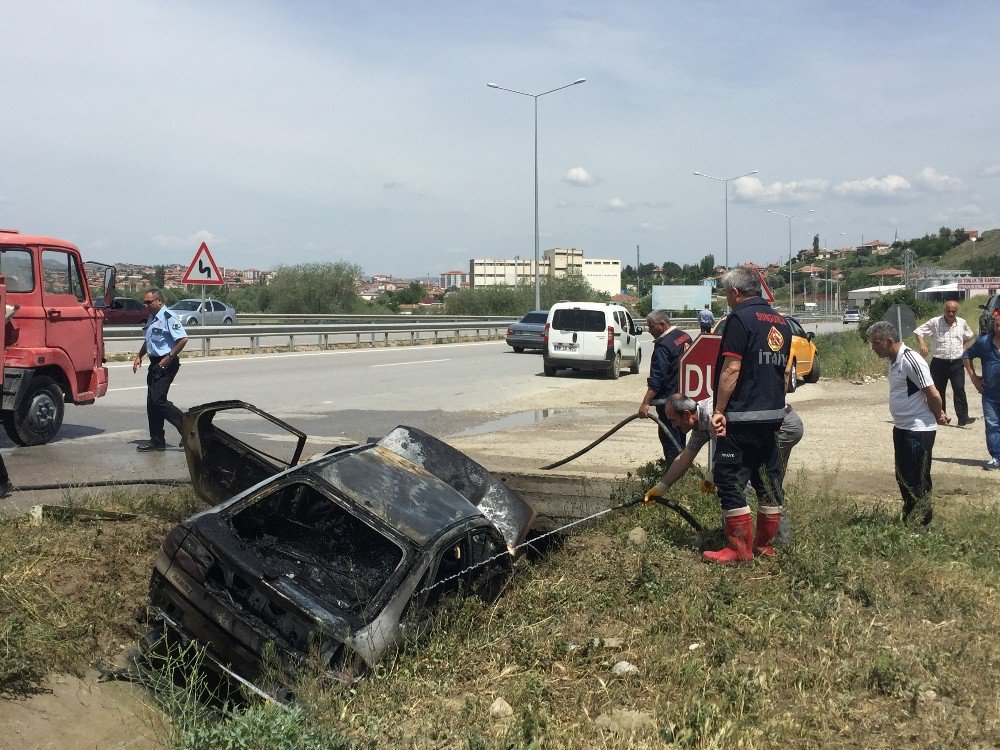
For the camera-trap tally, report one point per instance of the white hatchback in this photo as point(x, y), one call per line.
point(591, 336)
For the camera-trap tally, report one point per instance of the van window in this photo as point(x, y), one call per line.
point(566, 319)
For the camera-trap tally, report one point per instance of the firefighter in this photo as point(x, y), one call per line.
point(669, 344)
point(749, 386)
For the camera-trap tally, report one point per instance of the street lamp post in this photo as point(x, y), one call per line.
point(725, 181)
point(791, 286)
point(538, 293)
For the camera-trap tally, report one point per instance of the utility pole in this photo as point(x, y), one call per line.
point(638, 283)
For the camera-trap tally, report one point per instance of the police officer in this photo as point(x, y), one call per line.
point(664, 367)
point(165, 338)
point(749, 385)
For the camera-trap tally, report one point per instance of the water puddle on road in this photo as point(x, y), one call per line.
point(519, 419)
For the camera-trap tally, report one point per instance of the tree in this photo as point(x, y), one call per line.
point(313, 288)
point(706, 267)
point(816, 242)
point(671, 270)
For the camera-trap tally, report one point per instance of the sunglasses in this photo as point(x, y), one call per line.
point(147, 302)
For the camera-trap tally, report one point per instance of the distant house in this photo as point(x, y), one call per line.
point(877, 247)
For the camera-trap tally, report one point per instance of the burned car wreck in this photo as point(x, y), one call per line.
point(336, 558)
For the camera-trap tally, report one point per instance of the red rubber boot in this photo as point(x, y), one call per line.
point(739, 532)
point(767, 529)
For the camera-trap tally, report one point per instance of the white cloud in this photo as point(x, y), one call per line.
point(192, 241)
point(580, 177)
point(991, 171)
point(617, 204)
point(958, 213)
point(393, 185)
point(649, 227)
point(886, 187)
point(752, 190)
point(938, 183)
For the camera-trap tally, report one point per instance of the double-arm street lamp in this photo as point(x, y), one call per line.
point(791, 286)
point(725, 181)
point(538, 294)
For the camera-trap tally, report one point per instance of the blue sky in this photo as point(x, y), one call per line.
point(307, 131)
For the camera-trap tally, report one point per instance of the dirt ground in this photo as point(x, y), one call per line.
point(847, 447)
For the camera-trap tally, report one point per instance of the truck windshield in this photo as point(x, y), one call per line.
point(17, 269)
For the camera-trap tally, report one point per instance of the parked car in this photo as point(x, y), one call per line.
point(803, 357)
point(337, 557)
point(527, 332)
point(991, 308)
point(852, 315)
point(125, 311)
point(194, 312)
point(591, 336)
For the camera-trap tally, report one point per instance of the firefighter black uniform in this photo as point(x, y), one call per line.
point(664, 370)
point(760, 339)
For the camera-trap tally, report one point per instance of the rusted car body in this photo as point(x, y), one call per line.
point(334, 558)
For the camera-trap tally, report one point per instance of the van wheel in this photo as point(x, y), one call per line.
point(616, 367)
point(518, 349)
point(793, 377)
point(550, 370)
point(813, 376)
point(634, 369)
point(40, 414)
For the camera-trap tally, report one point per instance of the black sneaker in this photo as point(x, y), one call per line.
point(151, 446)
point(968, 420)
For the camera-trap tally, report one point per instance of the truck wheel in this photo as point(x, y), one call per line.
point(40, 414)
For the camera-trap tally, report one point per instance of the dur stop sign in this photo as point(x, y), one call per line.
point(698, 366)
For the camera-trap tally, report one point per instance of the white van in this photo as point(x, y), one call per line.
point(591, 336)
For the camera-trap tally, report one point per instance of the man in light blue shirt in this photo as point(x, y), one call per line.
point(705, 319)
point(165, 338)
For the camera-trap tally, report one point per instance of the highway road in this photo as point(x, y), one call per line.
point(333, 396)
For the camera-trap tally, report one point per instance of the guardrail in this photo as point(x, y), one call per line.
point(327, 335)
point(351, 334)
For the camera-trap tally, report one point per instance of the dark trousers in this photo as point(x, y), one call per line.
point(748, 453)
point(913, 451)
point(672, 442)
point(3, 472)
point(158, 409)
point(944, 371)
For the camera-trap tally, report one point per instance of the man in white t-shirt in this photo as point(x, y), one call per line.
point(916, 409)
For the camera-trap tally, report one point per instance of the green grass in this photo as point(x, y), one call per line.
point(859, 633)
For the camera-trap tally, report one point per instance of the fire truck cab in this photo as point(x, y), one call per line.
point(53, 336)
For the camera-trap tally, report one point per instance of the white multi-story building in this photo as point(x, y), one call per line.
point(454, 278)
point(602, 274)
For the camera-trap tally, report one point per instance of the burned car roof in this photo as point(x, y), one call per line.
point(413, 502)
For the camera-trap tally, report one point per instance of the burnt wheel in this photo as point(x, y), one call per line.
point(40, 414)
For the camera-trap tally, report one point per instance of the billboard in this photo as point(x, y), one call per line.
point(679, 297)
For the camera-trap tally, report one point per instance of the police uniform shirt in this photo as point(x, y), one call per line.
point(908, 376)
point(163, 330)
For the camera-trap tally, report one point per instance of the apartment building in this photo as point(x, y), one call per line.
point(602, 274)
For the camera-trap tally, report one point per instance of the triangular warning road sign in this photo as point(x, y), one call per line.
point(203, 269)
point(765, 290)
